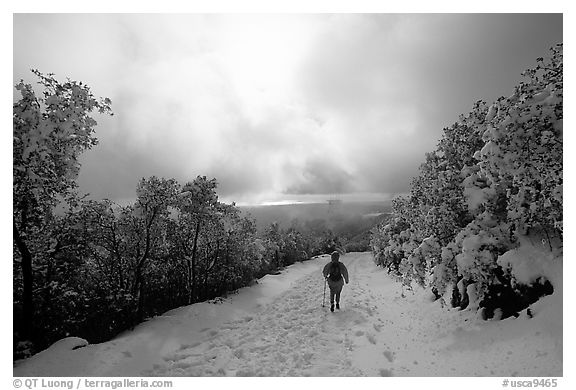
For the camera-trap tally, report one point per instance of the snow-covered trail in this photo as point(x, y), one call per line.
point(279, 328)
point(292, 336)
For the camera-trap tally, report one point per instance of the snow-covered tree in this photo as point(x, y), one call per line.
point(495, 177)
point(148, 218)
point(388, 240)
point(197, 205)
point(522, 154)
point(50, 131)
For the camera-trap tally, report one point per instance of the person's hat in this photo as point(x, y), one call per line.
point(335, 254)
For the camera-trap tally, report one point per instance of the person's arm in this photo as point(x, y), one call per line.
point(344, 272)
point(326, 270)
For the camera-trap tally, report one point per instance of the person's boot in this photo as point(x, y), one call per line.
point(338, 305)
point(332, 307)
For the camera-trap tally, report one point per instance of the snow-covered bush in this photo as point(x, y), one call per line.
point(433, 214)
point(522, 154)
point(424, 259)
point(387, 244)
point(495, 177)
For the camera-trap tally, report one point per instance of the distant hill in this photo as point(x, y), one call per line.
point(350, 222)
point(335, 215)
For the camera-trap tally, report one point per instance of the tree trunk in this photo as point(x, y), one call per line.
point(194, 250)
point(277, 256)
point(27, 278)
point(136, 290)
point(116, 251)
point(120, 273)
point(140, 269)
point(206, 290)
point(226, 277)
point(189, 278)
point(140, 315)
point(47, 293)
point(205, 286)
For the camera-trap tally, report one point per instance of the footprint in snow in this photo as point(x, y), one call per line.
point(371, 338)
point(187, 346)
point(389, 355)
point(175, 357)
point(385, 372)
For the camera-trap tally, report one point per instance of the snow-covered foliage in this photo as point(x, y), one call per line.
point(96, 269)
point(522, 155)
point(49, 134)
point(283, 247)
point(494, 179)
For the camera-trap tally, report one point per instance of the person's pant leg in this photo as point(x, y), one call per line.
point(338, 289)
point(335, 290)
point(332, 286)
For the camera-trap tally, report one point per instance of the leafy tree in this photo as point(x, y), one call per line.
point(197, 205)
point(148, 219)
point(274, 244)
point(49, 133)
point(294, 247)
point(522, 155)
point(495, 176)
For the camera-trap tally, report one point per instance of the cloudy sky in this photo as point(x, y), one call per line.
point(278, 107)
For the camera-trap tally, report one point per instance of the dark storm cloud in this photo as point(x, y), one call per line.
point(278, 104)
point(395, 81)
point(322, 177)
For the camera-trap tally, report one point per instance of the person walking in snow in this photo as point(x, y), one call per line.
point(335, 274)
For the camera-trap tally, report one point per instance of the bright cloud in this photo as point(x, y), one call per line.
point(276, 106)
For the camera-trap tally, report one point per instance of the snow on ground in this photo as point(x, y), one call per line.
point(279, 328)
